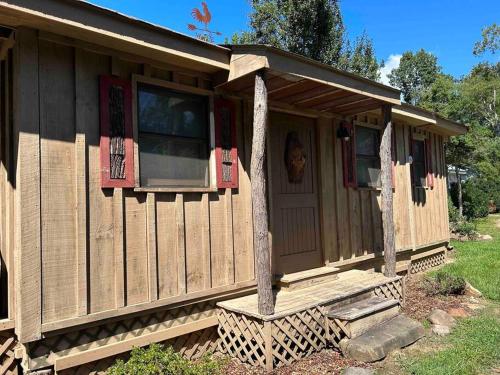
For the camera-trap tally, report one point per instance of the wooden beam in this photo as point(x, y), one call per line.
point(387, 195)
point(346, 99)
point(258, 181)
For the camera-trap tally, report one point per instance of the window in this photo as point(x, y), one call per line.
point(367, 157)
point(174, 137)
point(419, 163)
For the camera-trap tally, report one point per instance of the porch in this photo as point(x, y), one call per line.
point(301, 323)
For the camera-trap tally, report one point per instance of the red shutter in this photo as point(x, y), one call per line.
point(117, 145)
point(226, 151)
point(349, 156)
point(428, 162)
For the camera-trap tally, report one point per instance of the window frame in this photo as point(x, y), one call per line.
point(212, 174)
point(378, 129)
point(419, 138)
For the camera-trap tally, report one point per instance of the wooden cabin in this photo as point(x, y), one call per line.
point(127, 204)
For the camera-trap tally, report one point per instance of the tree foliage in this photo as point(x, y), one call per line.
point(490, 40)
point(415, 74)
point(311, 28)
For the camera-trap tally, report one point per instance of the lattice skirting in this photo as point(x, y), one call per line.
point(192, 346)
point(393, 290)
point(8, 364)
point(423, 264)
point(42, 352)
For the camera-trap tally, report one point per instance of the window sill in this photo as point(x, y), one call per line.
point(175, 189)
point(367, 188)
point(422, 187)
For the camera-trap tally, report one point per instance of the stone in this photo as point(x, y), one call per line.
point(380, 340)
point(358, 371)
point(471, 291)
point(440, 330)
point(458, 312)
point(485, 237)
point(442, 318)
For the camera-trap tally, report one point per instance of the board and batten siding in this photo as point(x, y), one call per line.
point(104, 252)
point(351, 217)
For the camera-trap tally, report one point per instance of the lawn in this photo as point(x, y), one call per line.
point(473, 346)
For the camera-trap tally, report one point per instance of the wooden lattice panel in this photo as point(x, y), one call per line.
point(192, 346)
point(423, 264)
point(112, 332)
point(242, 337)
point(297, 336)
point(8, 363)
point(392, 290)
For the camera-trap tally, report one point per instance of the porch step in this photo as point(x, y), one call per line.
point(362, 315)
point(305, 279)
point(376, 343)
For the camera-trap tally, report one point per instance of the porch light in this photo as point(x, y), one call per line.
point(344, 132)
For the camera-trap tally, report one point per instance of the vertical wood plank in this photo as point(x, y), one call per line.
point(366, 222)
point(152, 248)
point(81, 184)
point(181, 243)
point(409, 189)
point(169, 256)
point(241, 200)
point(328, 200)
point(58, 184)
point(27, 198)
point(119, 247)
point(355, 222)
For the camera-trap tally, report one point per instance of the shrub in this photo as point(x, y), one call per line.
point(466, 229)
point(475, 200)
point(444, 284)
point(157, 360)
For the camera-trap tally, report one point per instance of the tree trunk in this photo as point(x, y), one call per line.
point(387, 201)
point(459, 192)
point(258, 180)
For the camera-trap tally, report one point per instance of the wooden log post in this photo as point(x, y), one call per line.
point(387, 196)
point(258, 181)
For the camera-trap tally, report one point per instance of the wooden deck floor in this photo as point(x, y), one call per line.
point(348, 284)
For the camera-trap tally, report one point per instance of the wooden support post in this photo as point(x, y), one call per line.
point(258, 181)
point(387, 198)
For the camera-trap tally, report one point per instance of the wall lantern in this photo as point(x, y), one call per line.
point(344, 131)
point(410, 159)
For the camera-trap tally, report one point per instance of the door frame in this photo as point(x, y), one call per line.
point(269, 190)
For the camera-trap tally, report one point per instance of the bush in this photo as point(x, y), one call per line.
point(157, 360)
point(444, 284)
point(466, 229)
point(476, 195)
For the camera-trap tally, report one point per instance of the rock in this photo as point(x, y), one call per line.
point(358, 371)
point(471, 291)
point(382, 339)
point(440, 317)
point(485, 237)
point(440, 330)
point(458, 312)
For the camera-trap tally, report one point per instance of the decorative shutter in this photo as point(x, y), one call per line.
point(349, 156)
point(226, 151)
point(428, 162)
point(117, 145)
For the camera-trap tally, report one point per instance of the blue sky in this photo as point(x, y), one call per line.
point(446, 28)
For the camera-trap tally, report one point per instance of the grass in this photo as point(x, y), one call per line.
point(473, 346)
point(479, 261)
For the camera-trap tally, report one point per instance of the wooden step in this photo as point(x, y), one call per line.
point(360, 316)
point(305, 279)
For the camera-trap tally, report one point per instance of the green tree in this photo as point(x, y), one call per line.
point(490, 40)
point(362, 60)
point(415, 74)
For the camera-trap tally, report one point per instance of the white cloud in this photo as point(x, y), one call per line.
point(391, 63)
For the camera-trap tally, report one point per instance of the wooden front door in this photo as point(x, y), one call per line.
point(293, 191)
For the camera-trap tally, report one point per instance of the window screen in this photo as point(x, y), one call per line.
point(418, 165)
point(367, 157)
point(173, 138)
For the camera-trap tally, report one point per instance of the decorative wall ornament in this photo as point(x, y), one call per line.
point(204, 18)
point(295, 158)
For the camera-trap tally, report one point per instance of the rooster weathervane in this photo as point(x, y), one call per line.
point(204, 18)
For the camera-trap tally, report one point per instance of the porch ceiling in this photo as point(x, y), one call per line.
point(303, 83)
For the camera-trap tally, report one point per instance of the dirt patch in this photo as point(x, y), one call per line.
point(326, 362)
point(418, 304)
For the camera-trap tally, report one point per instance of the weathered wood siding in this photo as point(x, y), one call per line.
point(109, 250)
point(351, 217)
